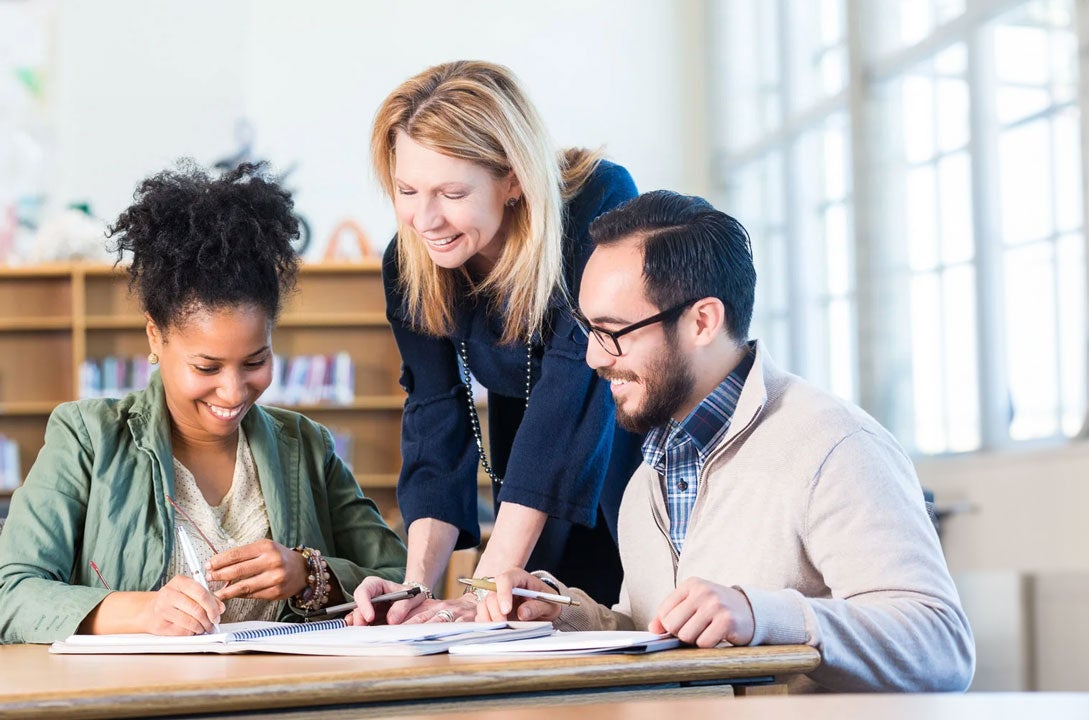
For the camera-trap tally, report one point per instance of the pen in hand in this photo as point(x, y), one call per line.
point(349, 606)
point(191, 560)
point(481, 584)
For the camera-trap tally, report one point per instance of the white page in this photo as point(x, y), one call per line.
point(592, 641)
point(122, 639)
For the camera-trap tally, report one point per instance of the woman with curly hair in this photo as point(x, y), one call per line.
point(93, 541)
point(491, 242)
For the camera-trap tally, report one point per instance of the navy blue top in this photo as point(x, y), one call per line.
point(561, 458)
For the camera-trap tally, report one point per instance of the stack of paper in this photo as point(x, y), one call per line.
point(331, 637)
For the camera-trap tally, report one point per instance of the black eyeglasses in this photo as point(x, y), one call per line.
point(610, 339)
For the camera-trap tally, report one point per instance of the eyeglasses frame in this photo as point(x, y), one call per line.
point(615, 335)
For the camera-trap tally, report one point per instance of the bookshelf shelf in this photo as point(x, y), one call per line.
point(333, 320)
point(105, 322)
point(377, 480)
point(378, 402)
point(54, 317)
point(33, 324)
point(29, 408)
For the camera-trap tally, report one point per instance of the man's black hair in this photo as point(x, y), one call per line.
point(690, 251)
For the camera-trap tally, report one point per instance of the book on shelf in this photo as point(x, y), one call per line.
point(113, 376)
point(311, 380)
point(591, 642)
point(343, 390)
point(342, 444)
point(298, 380)
point(328, 637)
point(312, 392)
point(10, 472)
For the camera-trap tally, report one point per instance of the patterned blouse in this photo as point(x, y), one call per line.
point(239, 519)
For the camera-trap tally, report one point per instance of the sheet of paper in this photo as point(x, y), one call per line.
point(143, 639)
point(570, 643)
point(296, 638)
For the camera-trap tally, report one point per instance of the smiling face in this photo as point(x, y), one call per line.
point(456, 206)
point(652, 379)
point(214, 365)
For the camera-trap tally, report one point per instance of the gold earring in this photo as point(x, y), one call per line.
point(152, 359)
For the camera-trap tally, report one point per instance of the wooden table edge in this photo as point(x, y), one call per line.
point(468, 677)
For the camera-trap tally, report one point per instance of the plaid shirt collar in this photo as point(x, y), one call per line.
point(706, 424)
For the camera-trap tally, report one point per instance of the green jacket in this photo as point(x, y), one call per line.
point(98, 492)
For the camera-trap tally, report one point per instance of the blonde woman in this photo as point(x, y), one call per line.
point(492, 239)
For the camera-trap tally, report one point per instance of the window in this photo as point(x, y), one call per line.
point(919, 236)
point(788, 177)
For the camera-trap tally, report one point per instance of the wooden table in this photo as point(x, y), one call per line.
point(34, 683)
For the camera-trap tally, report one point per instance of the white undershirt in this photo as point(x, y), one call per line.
point(240, 518)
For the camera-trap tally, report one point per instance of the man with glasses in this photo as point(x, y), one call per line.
point(766, 511)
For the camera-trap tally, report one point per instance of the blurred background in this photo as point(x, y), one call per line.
point(911, 172)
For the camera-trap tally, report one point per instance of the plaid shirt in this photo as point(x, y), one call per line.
point(679, 449)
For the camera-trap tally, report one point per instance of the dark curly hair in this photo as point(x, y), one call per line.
point(202, 242)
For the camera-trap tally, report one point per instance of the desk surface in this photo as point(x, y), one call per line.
point(34, 683)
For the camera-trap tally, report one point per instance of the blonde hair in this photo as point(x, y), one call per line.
point(477, 111)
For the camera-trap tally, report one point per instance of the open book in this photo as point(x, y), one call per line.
point(574, 643)
point(329, 637)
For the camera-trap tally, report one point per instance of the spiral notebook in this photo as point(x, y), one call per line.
point(328, 637)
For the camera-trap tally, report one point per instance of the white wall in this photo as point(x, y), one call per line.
point(1029, 509)
point(1020, 558)
point(136, 85)
point(140, 83)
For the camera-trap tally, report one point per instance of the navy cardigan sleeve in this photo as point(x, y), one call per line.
point(561, 450)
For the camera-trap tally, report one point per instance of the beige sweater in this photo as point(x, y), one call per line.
point(813, 510)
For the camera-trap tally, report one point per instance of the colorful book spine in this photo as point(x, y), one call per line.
point(113, 376)
point(10, 472)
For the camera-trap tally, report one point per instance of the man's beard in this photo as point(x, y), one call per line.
point(667, 383)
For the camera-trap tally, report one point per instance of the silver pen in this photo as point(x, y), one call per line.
point(191, 560)
point(349, 606)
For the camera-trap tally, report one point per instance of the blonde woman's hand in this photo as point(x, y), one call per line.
point(499, 605)
point(367, 613)
point(457, 609)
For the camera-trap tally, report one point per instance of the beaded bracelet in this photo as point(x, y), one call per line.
point(315, 595)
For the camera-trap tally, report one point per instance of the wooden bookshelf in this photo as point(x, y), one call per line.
point(54, 317)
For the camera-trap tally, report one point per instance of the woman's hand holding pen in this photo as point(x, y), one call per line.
point(499, 605)
point(417, 609)
point(366, 613)
point(265, 570)
point(181, 607)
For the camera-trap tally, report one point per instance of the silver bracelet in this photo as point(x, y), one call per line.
point(424, 590)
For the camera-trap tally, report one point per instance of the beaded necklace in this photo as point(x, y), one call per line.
point(474, 419)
